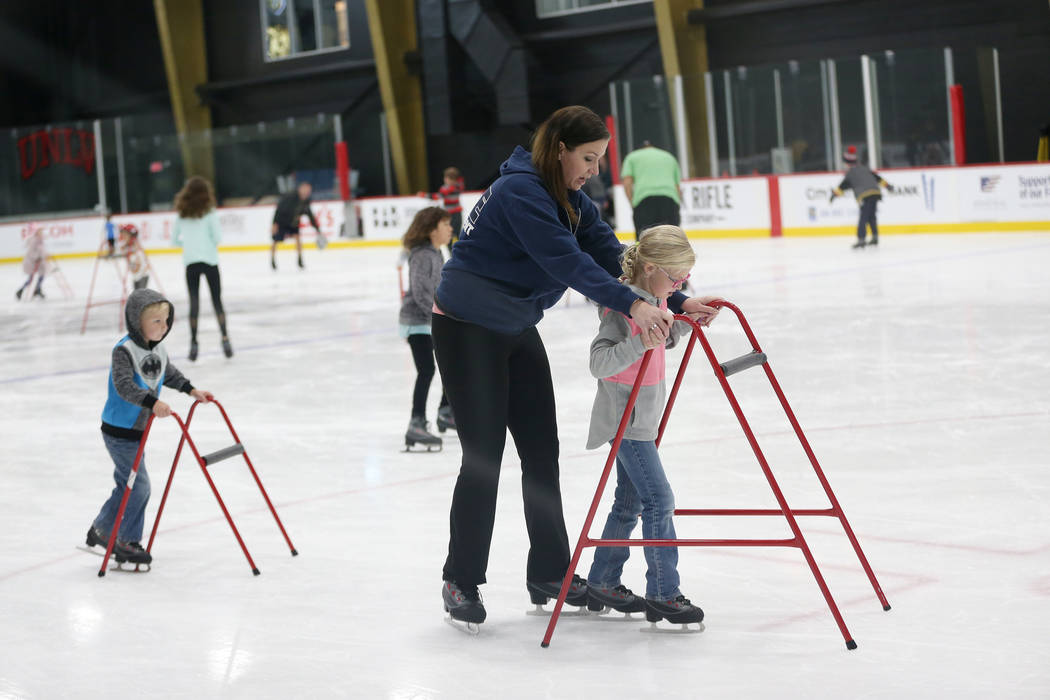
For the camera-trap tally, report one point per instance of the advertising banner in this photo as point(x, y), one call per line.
point(717, 207)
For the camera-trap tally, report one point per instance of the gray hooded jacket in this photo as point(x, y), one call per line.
point(138, 370)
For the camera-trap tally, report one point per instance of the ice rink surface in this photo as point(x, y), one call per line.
point(920, 372)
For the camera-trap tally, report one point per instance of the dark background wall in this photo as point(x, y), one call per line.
point(1020, 29)
point(62, 61)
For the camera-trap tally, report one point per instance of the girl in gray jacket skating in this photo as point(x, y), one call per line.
point(654, 268)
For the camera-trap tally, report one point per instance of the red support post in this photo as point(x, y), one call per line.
point(958, 123)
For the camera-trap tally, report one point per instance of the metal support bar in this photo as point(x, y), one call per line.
point(949, 80)
point(869, 112)
point(224, 453)
point(712, 131)
point(739, 364)
point(836, 127)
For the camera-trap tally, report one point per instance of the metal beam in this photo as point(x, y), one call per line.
point(684, 51)
point(392, 26)
point(186, 67)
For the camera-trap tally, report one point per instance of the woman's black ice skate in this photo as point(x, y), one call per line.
point(679, 611)
point(464, 606)
point(417, 434)
point(445, 419)
point(193, 350)
point(227, 349)
point(620, 598)
point(540, 593)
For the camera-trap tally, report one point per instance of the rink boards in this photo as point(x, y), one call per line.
point(983, 198)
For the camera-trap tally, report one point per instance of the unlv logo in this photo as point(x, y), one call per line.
point(151, 366)
point(46, 147)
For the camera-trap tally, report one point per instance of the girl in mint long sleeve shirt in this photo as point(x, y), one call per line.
point(197, 233)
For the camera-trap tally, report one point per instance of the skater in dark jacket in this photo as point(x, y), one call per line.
point(865, 184)
point(290, 208)
point(139, 367)
point(530, 236)
point(430, 229)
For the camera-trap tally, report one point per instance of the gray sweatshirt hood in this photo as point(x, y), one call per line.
point(139, 300)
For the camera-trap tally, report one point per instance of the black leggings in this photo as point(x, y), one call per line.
point(495, 382)
point(193, 283)
point(655, 210)
point(423, 356)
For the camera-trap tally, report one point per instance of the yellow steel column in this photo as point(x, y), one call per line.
point(684, 51)
point(392, 25)
point(186, 66)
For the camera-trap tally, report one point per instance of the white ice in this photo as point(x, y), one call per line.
point(920, 372)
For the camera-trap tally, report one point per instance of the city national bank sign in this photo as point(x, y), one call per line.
point(59, 146)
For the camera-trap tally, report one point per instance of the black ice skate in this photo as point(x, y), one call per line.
point(540, 593)
point(619, 598)
point(464, 606)
point(123, 552)
point(445, 419)
point(679, 611)
point(859, 244)
point(193, 350)
point(417, 434)
point(227, 349)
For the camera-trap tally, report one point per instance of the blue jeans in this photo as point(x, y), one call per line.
point(123, 452)
point(641, 489)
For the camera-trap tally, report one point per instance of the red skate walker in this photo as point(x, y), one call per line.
point(752, 359)
point(204, 461)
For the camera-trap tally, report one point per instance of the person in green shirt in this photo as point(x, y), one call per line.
point(651, 180)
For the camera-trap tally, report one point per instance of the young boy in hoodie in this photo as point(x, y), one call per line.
point(139, 367)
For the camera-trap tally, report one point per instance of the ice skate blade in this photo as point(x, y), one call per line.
point(471, 628)
point(580, 611)
point(688, 628)
point(419, 448)
point(608, 614)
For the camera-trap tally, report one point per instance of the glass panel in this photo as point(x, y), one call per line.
point(754, 116)
point(53, 169)
point(645, 114)
point(278, 35)
point(913, 107)
point(335, 29)
point(802, 102)
point(850, 88)
point(305, 26)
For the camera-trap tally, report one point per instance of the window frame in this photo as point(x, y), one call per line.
point(293, 27)
point(605, 5)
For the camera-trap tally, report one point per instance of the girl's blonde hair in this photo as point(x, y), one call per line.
point(425, 221)
point(665, 246)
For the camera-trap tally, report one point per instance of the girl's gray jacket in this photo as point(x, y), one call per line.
point(614, 350)
point(424, 273)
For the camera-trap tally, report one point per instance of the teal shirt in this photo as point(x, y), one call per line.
point(655, 173)
point(198, 238)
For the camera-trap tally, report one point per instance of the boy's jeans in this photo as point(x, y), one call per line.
point(641, 489)
point(123, 452)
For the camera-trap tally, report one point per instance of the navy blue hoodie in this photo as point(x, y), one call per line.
point(518, 252)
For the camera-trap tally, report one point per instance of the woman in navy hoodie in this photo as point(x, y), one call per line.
point(532, 235)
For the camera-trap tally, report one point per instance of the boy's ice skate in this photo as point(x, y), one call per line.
point(679, 611)
point(619, 598)
point(464, 606)
point(123, 552)
point(540, 593)
point(445, 419)
point(417, 434)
